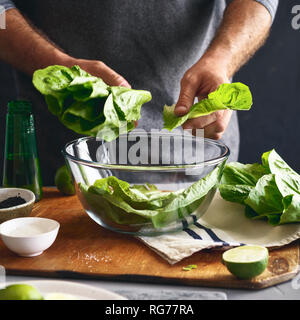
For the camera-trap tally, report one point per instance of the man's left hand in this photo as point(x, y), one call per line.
point(201, 79)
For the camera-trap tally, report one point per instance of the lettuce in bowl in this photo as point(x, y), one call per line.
point(123, 204)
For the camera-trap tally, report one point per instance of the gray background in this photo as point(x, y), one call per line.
point(273, 77)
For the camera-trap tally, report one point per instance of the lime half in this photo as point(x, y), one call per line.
point(246, 262)
point(63, 181)
point(20, 292)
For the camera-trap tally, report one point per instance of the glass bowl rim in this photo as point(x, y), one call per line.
point(158, 167)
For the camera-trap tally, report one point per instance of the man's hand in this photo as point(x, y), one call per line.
point(99, 69)
point(244, 28)
point(201, 79)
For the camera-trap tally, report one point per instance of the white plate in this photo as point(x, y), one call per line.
point(80, 291)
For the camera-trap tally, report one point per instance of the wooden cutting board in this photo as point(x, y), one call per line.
point(84, 249)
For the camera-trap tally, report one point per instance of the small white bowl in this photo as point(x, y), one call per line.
point(29, 236)
point(22, 210)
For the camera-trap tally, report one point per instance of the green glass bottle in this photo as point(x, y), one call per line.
point(21, 162)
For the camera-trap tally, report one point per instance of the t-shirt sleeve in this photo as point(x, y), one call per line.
point(6, 4)
point(271, 6)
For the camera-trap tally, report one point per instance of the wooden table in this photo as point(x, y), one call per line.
point(85, 250)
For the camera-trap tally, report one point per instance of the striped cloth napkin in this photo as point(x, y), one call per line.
point(223, 225)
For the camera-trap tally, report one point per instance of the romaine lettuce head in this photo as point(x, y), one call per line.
point(87, 105)
point(270, 190)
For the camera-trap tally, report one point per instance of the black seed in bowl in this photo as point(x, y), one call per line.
point(12, 202)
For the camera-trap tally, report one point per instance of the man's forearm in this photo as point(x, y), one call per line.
point(24, 48)
point(244, 29)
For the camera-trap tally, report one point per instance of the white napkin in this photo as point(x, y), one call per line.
point(223, 225)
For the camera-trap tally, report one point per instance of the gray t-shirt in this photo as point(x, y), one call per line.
point(151, 43)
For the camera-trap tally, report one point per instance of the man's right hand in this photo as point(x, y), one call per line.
point(101, 70)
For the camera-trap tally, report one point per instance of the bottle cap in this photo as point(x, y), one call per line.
point(19, 106)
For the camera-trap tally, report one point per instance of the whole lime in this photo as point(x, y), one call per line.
point(63, 181)
point(20, 292)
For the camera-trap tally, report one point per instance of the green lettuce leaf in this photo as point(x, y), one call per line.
point(242, 174)
point(291, 211)
point(287, 180)
point(265, 198)
point(87, 105)
point(85, 87)
point(239, 179)
point(129, 102)
point(107, 210)
point(139, 197)
point(235, 193)
point(234, 96)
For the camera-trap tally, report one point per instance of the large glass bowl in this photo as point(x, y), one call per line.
point(173, 162)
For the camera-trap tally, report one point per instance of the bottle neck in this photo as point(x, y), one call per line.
point(19, 107)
